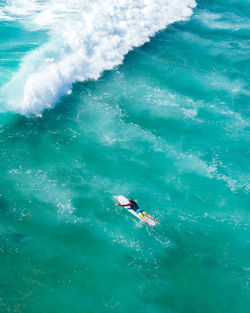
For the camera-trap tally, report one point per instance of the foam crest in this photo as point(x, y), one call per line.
point(85, 39)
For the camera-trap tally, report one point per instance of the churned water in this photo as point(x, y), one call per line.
point(148, 99)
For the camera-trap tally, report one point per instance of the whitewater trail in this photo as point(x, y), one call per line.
point(85, 39)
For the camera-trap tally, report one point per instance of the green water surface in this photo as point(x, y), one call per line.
point(169, 127)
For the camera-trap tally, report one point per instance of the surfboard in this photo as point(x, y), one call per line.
point(123, 200)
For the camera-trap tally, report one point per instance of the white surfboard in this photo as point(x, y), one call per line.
point(123, 200)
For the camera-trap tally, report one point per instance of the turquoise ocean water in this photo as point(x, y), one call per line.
point(149, 100)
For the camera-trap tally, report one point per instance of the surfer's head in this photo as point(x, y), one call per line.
point(130, 199)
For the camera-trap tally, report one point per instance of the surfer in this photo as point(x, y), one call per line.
point(134, 206)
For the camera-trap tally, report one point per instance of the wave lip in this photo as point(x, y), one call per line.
point(85, 39)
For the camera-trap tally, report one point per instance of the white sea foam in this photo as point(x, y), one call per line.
point(4, 17)
point(85, 39)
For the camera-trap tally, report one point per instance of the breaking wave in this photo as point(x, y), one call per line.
point(85, 39)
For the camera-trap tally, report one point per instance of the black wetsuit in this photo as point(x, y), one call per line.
point(134, 206)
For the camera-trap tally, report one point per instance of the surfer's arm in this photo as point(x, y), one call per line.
point(123, 204)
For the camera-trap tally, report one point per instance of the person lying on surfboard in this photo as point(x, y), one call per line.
point(134, 206)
